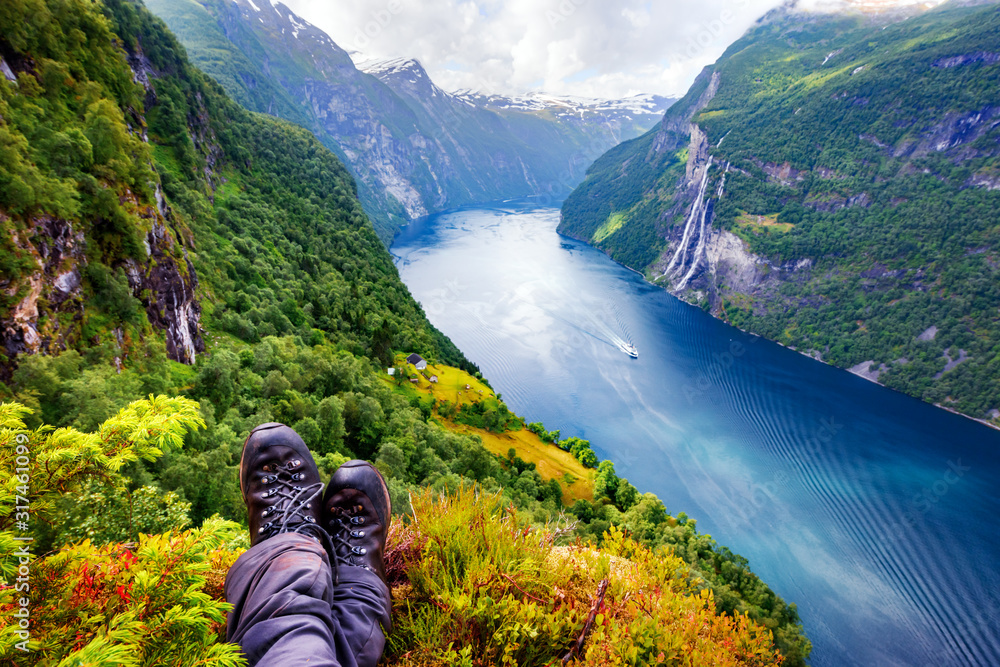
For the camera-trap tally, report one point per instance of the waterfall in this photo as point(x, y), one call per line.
point(722, 184)
point(685, 239)
point(699, 249)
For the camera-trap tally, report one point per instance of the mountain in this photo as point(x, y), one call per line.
point(831, 183)
point(145, 198)
point(413, 148)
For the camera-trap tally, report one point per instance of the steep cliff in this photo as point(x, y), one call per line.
point(797, 193)
point(134, 194)
point(413, 148)
point(89, 241)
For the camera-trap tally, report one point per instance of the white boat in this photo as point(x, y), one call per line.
point(628, 349)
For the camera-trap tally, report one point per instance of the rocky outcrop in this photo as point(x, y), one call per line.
point(985, 57)
point(985, 180)
point(865, 369)
point(56, 295)
point(166, 283)
point(830, 202)
point(954, 134)
point(784, 174)
point(738, 268)
point(46, 317)
point(674, 130)
point(169, 286)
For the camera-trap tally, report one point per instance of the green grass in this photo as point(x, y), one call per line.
point(610, 226)
point(757, 223)
point(552, 463)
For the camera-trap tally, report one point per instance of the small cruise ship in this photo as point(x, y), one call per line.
point(629, 349)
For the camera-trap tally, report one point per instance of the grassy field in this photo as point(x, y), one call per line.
point(610, 226)
point(450, 386)
point(552, 463)
point(761, 222)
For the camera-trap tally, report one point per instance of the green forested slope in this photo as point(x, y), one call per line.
point(272, 78)
point(159, 239)
point(861, 170)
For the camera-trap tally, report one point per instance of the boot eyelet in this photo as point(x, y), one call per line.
point(310, 519)
point(357, 533)
point(294, 464)
point(266, 526)
point(266, 468)
point(357, 520)
point(297, 476)
point(360, 551)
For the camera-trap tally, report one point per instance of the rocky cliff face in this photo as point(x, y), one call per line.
point(413, 148)
point(61, 275)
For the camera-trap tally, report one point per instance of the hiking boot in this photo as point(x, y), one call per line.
point(280, 484)
point(357, 513)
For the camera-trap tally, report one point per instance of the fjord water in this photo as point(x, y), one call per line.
point(877, 514)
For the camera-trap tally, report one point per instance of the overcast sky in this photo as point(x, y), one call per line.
point(594, 48)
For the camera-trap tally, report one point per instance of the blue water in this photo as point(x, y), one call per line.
point(878, 515)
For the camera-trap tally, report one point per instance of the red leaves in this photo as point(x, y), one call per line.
point(95, 582)
point(128, 558)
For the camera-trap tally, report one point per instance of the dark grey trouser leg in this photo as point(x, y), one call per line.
point(361, 603)
point(287, 611)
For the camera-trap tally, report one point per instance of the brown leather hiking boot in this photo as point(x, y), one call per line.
point(280, 484)
point(357, 513)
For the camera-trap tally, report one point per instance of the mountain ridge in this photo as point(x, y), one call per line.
point(413, 150)
point(792, 193)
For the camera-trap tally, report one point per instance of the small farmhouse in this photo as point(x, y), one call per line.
point(417, 361)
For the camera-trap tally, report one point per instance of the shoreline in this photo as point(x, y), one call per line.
point(646, 279)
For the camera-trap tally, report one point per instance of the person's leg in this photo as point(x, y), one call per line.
point(281, 591)
point(282, 588)
point(357, 514)
point(287, 608)
point(362, 610)
point(287, 611)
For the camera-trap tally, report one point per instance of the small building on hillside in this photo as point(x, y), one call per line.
point(434, 378)
point(417, 361)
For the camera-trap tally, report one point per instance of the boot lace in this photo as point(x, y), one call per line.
point(346, 524)
point(290, 510)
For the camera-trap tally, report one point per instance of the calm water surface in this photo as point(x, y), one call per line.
point(877, 514)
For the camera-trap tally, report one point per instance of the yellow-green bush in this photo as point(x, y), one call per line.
point(476, 587)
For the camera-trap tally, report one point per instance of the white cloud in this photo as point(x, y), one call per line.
point(599, 48)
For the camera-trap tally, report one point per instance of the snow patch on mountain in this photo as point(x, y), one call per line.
point(560, 105)
point(564, 105)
